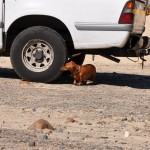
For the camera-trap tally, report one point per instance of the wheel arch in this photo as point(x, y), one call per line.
point(37, 20)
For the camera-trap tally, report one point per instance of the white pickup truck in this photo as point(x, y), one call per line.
point(42, 35)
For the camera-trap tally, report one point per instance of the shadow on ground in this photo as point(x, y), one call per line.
point(8, 73)
point(115, 79)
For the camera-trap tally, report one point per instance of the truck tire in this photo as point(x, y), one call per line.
point(38, 53)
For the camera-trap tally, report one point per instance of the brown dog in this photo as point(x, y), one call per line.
point(80, 73)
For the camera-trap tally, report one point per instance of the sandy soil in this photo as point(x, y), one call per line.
point(113, 114)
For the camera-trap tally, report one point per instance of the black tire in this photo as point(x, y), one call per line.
point(78, 59)
point(38, 53)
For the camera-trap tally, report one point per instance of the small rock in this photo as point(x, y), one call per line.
point(45, 137)
point(104, 137)
point(101, 122)
point(131, 113)
point(124, 119)
point(34, 109)
point(87, 136)
point(59, 130)
point(119, 148)
point(80, 123)
point(108, 147)
point(137, 129)
point(123, 143)
point(41, 124)
point(127, 134)
point(62, 146)
point(83, 138)
point(131, 119)
point(70, 120)
point(31, 143)
point(88, 123)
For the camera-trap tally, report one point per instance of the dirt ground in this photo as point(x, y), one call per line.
point(114, 114)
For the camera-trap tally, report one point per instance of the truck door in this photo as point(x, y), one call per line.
point(1, 23)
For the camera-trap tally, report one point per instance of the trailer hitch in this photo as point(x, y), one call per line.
point(143, 53)
point(142, 48)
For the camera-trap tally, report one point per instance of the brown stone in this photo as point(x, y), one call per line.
point(70, 120)
point(101, 122)
point(41, 124)
point(88, 123)
point(31, 143)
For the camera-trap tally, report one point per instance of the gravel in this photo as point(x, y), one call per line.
point(104, 113)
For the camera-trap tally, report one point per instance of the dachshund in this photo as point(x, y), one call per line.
point(80, 73)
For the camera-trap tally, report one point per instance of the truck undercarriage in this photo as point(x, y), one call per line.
point(136, 47)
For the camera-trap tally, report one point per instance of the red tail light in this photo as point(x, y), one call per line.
point(127, 16)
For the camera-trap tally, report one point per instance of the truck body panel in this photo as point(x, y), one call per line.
point(41, 36)
point(72, 13)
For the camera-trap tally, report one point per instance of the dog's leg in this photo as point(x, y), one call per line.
point(93, 79)
point(75, 82)
point(85, 81)
point(79, 83)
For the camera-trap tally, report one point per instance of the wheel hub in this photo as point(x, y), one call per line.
point(38, 55)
